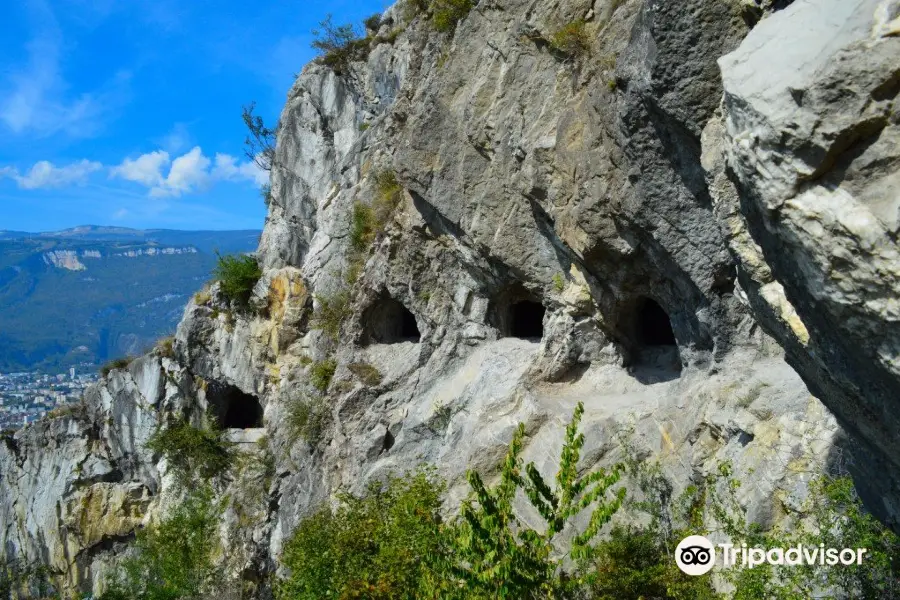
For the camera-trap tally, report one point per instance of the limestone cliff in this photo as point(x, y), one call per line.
point(610, 226)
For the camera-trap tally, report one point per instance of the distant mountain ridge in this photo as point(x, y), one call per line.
point(87, 294)
point(203, 240)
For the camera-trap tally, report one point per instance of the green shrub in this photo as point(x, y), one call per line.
point(572, 39)
point(446, 14)
point(237, 276)
point(377, 547)
point(116, 363)
point(321, 373)
point(307, 419)
point(837, 520)
point(366, 373)
point(373, 22)
point(193, 453)
point(173, 560)
point(339, 45)
point(637, 563)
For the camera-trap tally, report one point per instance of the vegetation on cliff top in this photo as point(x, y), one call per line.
point(237, 276)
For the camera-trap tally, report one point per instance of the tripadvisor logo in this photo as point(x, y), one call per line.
point(696, 555)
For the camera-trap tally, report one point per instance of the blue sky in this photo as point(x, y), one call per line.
point(128, 112)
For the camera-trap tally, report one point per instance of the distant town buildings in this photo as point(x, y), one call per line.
point(25, 397)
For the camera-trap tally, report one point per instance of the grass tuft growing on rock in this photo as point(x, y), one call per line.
point(366, 373)
point(572, 39)
point(321, 373)
point(307, 419)
point(116, 363)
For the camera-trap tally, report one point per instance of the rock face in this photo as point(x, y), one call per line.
point(568, 227)
point(806, 169)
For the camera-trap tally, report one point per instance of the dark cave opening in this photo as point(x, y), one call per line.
point(516, 312)
point(236, 409)
point(653, 326)
point(527, 320)
point(387, 321)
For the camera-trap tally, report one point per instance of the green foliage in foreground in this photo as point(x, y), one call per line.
point(175, 559)
point(237, 275)
point(378, 546)
point(391, 543)
point(495, 555)
point(194, 454)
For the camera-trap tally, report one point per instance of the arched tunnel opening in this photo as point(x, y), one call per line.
point(653, 326)
point(651, 341)
point(236, 409)
point(516, 313)
point(387, 321)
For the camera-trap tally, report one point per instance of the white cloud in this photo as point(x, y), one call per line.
point(44, 174)
point(34, 99)
point(189, 172)
point(145, 169)
point(228, 169)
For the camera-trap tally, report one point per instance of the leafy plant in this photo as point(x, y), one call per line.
point(446, 14)
point(193, 453)
point(572, 39)
point(495, 555)
point(339, 45)
point(321, 373)
point(259, 145)
point(559, 283)
point(377, 546)
point(237, 276)
point(173, 560)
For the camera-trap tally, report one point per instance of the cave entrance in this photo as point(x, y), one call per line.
point(654, 328)
point(387, 321)
point(653, 349)
point(516, 313)
point(236, 409)
point(527, 320)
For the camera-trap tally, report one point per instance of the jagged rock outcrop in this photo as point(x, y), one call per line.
point(805, 165)
point(567, 228)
